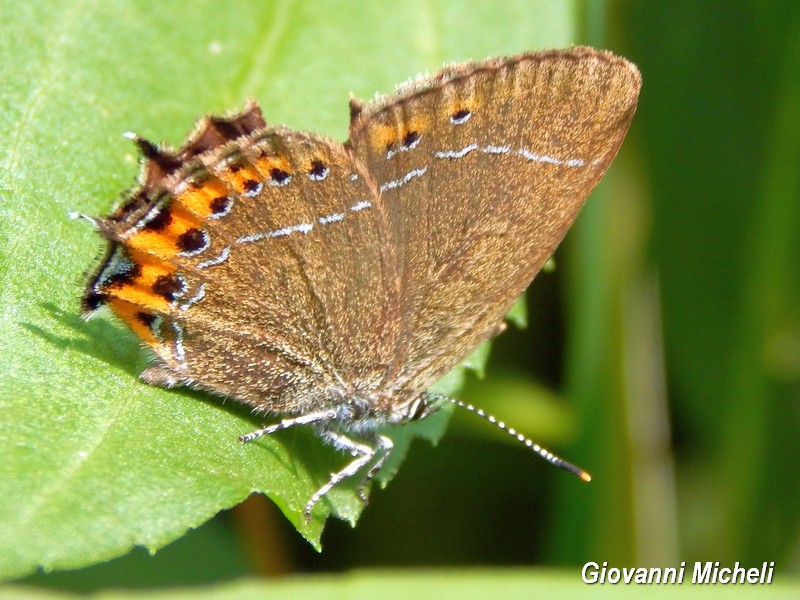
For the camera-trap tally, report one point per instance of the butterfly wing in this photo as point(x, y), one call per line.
point(482, 168)
point(283, 268)
point(251, 264)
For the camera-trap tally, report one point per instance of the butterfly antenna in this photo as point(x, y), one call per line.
point(543, 452)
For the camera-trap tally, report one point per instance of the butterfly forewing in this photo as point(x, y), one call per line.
point(481, 170)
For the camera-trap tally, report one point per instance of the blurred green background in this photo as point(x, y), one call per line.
point(662, 354)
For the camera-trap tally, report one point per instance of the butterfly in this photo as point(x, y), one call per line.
point(332, 284)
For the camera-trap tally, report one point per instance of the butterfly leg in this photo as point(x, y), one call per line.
point(315, 417)
point(363, 453)
point(383, 450)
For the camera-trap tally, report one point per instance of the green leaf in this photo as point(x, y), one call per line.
point(94, 461)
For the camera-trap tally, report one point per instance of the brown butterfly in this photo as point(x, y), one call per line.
point(334, 283)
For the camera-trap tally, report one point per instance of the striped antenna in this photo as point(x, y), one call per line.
point(543, 452)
